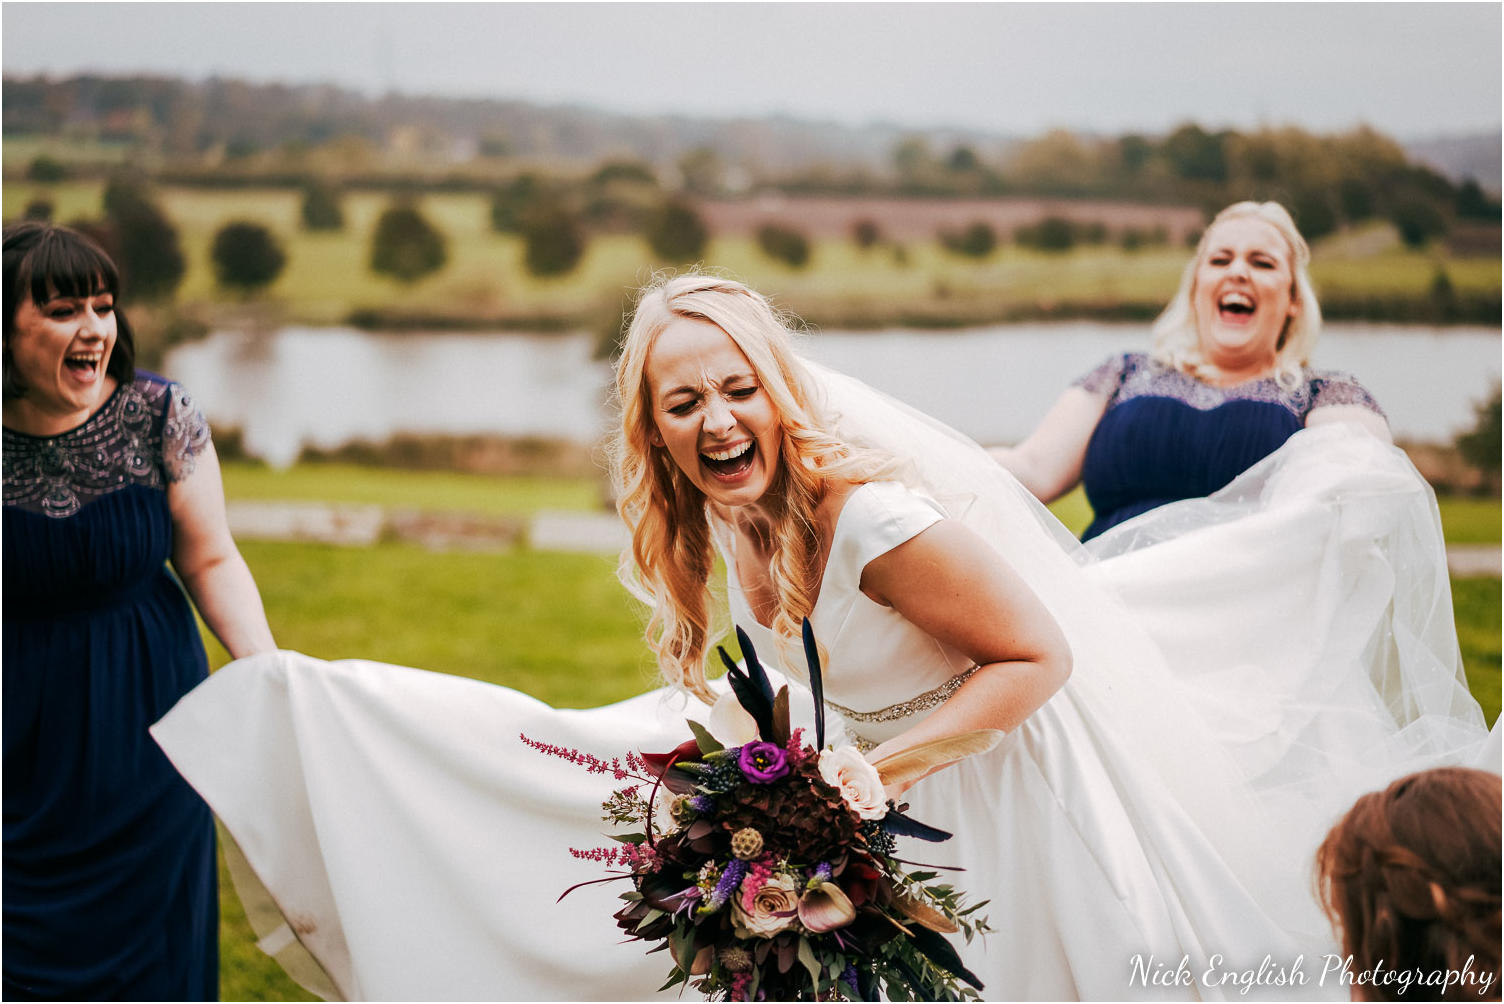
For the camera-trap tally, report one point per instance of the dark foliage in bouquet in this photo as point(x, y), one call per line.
point(764, 865)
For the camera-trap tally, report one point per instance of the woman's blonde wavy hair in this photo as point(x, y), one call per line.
point(1174, 339)
point(671, 556)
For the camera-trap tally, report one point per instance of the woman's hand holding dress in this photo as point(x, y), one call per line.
point(1365, 418)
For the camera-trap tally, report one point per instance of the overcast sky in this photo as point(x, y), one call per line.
point(1411, 70)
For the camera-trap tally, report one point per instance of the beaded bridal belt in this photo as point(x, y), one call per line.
point(903, 709)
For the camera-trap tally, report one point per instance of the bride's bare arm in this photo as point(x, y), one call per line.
point(955, 587)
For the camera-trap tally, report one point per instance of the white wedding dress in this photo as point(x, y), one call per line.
point(1153, 810)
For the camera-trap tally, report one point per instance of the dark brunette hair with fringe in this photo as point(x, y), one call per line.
point(43, 261)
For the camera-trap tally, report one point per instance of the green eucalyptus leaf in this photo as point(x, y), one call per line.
point(703, 738)
point(807, 958)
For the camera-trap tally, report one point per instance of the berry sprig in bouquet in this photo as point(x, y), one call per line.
point(764, 865)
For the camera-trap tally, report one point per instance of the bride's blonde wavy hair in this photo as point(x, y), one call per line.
point(671, 556)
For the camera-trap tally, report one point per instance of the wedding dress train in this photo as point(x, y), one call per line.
point(1242, 671)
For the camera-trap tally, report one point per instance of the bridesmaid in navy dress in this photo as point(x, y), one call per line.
point(1225, 384)
point(109, 874)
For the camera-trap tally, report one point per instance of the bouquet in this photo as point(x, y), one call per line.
point(765, 866)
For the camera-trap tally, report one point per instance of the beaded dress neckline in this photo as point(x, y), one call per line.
point(148, 432)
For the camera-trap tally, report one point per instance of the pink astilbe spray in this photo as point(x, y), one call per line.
point(637, 857)
point(794, 748)
point(758, 873)
point(632, 766)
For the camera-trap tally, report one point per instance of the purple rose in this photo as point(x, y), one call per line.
point(763, 763)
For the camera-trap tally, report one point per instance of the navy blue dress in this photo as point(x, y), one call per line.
point(1167, 436)
point(109, 878)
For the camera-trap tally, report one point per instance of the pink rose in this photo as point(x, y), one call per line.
point(774, 908)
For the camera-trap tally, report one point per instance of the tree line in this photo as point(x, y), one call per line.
point(555, 214)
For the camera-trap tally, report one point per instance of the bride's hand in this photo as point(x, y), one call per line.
point(896, 790)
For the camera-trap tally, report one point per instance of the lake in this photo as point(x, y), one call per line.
point(325, 387)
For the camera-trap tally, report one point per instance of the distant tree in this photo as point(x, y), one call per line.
point(494, 144)
point(676, 233)
point(405, 245)
point(914, 163)
point(511, 201)
point(1094, 233)
point(1134, 152)
point(1132, 238)
point(1196, 154)
point(246, 256)
point(866, 233)
point(623, 170)
point(1053, 233)
point(962, 158)
point(1060, 162)
point(1355, 196)
point(38, 209)
point(124, 190)
point(1474, 204)
point(241, 147)
point(621, 196)
point(1313, 214)
point(553, 241)
point(1443, 296)
point(703, 171)
point(1481, 445)
point(321, 206)
point(1258, 157)
point(783, 244)
point(1418, 220)
point(46, 169)
point(977, 241)
point(144, 240)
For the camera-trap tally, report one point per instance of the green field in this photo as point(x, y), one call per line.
point(326, 275)
point(405, 489)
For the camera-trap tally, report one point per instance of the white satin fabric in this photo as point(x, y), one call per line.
point(1242, 672)
point(413, 844)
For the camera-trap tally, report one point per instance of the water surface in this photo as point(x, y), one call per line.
point(324, 387)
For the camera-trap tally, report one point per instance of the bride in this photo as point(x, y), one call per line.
point(1133, 817)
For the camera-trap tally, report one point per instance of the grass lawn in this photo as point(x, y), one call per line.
point(1463, 520)
point(1470, 520)
point(557, 626)
point(410, 489)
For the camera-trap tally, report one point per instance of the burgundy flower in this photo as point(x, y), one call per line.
point(763, 763)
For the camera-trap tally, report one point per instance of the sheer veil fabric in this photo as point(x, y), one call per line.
point(1259, 658)
point(1271, 652)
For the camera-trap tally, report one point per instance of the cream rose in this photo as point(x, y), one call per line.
point(774, 908)
point(846, 770)
point(729, 722)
